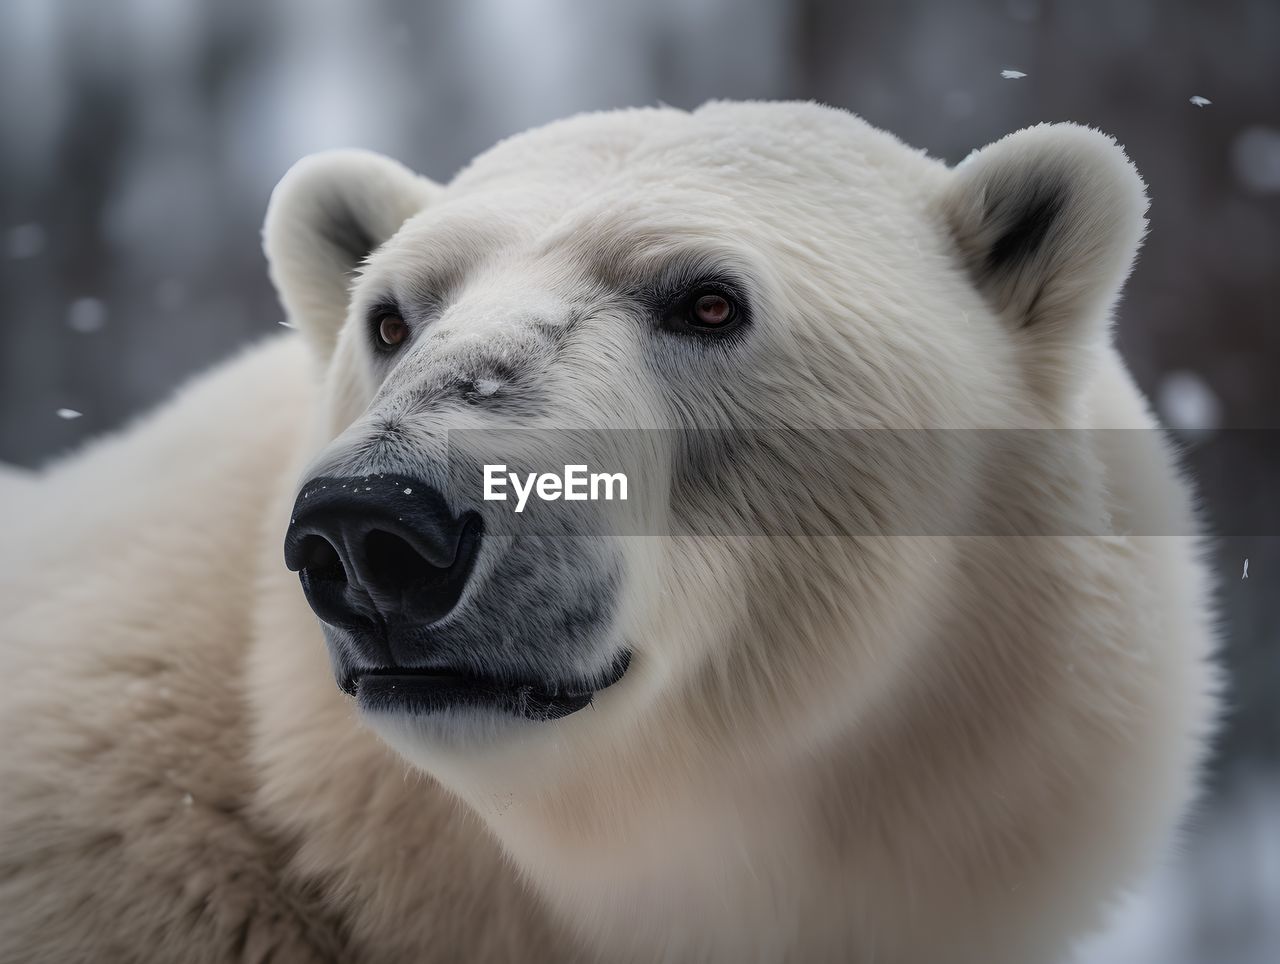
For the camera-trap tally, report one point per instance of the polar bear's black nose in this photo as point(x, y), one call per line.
point(379, 552)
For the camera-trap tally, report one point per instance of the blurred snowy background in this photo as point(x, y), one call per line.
point(139, 140)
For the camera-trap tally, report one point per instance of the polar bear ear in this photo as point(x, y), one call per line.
point(1047, 222)
point(326, 215)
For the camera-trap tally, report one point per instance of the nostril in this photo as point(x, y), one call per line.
point(394, 564)
point(323, 571)
point(321, 559)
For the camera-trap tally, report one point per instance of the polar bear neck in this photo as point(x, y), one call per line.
point(932, 812)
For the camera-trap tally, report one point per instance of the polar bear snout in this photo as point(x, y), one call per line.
point(420, 619)
point(376, 553)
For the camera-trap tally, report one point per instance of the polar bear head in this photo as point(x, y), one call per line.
point(708, 303)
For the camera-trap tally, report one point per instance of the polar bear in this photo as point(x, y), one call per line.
point(866, 669)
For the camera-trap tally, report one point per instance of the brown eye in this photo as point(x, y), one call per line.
point(392, 330)
point(712, 311)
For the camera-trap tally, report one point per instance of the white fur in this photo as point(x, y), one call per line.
point(889, 748)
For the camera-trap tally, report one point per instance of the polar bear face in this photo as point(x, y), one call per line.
point(710, 301)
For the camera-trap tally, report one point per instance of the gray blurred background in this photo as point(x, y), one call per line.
point(139, 140)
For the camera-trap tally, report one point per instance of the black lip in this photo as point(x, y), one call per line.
point(428, 691)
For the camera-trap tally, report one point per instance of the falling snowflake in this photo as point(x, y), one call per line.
point(1010, 74)
point(1201, 101)
point(1245, 574)
point(408, 491)
point(68, 413)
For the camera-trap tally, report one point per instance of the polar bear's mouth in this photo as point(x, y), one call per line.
point(424, 692)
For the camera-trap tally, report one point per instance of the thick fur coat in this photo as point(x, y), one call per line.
point(911, 742)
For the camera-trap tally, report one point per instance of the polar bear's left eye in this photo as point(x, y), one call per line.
point(706, 309)
point(392, 330)
point(712, 310)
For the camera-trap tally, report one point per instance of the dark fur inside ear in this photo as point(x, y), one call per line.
point(1022, 222)
point(1046, 223)
point(345, 231)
